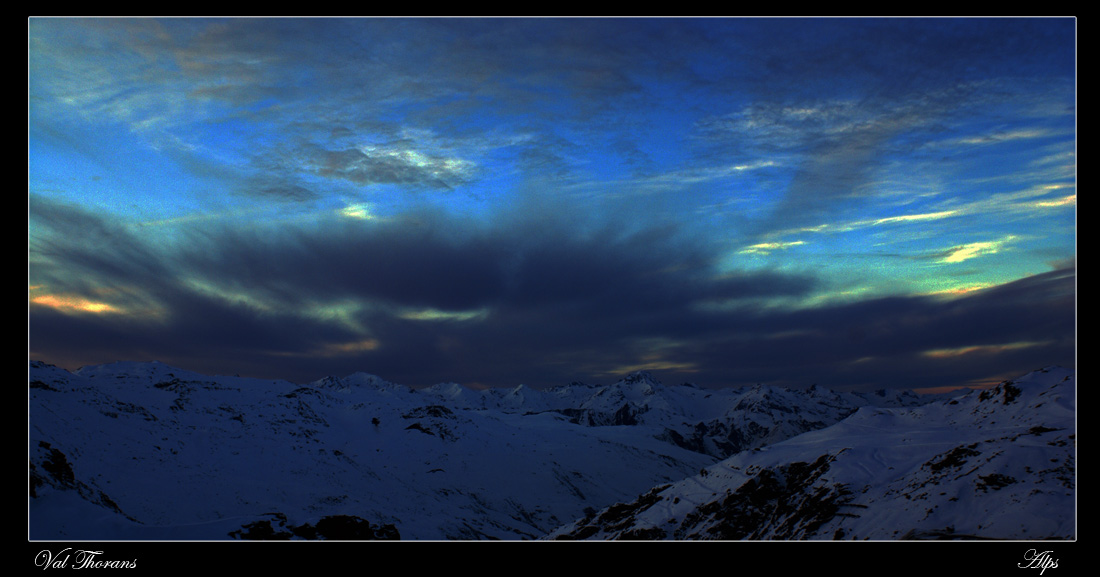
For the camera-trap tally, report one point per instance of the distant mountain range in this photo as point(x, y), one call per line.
point(144, 451)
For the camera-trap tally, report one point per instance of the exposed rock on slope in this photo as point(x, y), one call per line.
point(994, 464)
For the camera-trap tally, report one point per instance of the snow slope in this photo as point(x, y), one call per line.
point(995, 464)
point(145, 451)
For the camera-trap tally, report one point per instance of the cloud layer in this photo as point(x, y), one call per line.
point(541, 305)
point(867, 202)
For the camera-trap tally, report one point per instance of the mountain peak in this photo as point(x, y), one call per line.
point(641, 376)
point(355, 381)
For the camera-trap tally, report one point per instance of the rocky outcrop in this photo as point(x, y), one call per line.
point(329, 528)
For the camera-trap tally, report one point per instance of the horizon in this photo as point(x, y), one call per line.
point(861, 203)
point(652, 375)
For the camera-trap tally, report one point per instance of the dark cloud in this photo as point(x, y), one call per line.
point(429, 260)
point(74, 250)
point(408, 262)
point(559, 302)
point(910, 341)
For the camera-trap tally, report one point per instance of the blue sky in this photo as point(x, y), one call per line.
point(851, 202)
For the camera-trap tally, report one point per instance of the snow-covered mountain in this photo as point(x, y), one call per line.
point(716, 422)
point(994, 464)
point(146, 451)
point(137, 451)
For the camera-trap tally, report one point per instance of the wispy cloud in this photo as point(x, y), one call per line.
point(914, 217)
point(767, 247)
point(392, 165)
point(974, 250)
point(980, 349)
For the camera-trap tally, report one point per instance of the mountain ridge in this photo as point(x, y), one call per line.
point(138, 451)
point(992, 464)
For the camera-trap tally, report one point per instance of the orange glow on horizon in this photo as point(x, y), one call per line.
point(983, 349)
point(78, 304)
point(336, 349)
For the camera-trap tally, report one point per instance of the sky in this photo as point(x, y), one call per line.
point(855, 203)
